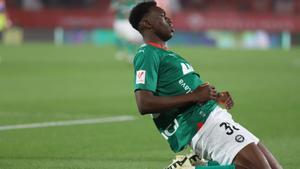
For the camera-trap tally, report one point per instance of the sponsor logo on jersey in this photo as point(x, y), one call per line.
point(186, 68)
point(140, 77)
point(185, 86)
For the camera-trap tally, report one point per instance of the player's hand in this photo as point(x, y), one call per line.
point(225, 99)
point(205, 93)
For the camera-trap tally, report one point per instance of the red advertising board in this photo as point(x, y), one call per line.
point(236, 21)
point(185, 21)
point(62, 18)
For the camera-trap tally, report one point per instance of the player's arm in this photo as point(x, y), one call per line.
point(148, 103)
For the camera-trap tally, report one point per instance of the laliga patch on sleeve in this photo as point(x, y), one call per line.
point(140, 77)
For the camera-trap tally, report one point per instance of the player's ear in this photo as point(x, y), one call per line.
point(145, 24)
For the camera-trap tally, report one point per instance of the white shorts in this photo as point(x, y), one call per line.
point(220, 138)
point(124, 30)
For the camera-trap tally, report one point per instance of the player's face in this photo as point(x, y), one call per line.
point(161, 24)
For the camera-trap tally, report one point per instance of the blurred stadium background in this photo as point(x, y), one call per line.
point(224, 24)
point(57, 64)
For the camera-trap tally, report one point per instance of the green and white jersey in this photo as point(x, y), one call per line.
point(165, 73)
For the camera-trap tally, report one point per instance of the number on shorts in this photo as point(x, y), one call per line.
point(229, 128)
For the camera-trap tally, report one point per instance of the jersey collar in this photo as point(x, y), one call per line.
point(157, 45)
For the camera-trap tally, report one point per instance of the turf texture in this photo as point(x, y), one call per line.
point(43, 82)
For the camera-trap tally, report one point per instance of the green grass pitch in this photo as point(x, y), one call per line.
point(42, 83)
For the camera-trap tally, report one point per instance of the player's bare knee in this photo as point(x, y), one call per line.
point(269, 156)
point(252, 158)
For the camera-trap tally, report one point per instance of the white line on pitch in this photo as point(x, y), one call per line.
point(67, 123)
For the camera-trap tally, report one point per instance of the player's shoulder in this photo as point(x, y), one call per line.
point(146, 48)
point(146, 52)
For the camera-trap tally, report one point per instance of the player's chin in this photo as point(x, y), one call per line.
point(168, 37)
point(165, 36)
point(170, 34)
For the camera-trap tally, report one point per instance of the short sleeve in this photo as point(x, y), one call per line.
point(146, 65)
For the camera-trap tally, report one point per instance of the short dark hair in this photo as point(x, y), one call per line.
point(138, 12)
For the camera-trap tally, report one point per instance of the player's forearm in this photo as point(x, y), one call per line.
point(160, 104)
point(148, 103)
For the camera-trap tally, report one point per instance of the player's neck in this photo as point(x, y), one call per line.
point(157, 45)
point(149, 38)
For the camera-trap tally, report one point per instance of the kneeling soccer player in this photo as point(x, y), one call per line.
point(184, 108)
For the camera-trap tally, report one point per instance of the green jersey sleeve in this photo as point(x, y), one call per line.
point(146, 66)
